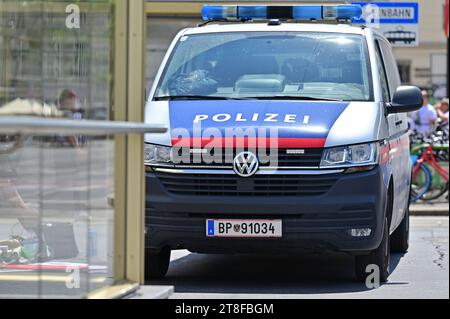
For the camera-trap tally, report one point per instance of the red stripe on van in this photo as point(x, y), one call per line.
point(244, 142)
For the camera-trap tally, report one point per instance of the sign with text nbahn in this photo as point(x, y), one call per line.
point(397, 21)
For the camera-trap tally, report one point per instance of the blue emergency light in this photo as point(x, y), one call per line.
point(313, 12)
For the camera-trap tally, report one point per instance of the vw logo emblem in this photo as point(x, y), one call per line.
point(245, 164)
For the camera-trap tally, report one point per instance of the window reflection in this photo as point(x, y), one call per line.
point(41, 58)
point(55, 220)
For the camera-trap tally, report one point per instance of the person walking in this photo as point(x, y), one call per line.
point(423, 120)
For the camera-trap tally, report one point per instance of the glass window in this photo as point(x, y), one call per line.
point(61, 59)
point(383, 76)
point(391, 67)
point(55, 218)
point(267, 64)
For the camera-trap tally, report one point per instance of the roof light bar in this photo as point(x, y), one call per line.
point(314, 12)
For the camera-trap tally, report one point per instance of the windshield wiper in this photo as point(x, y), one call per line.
point(294, 97)
point(211, 97)
point(193, 97)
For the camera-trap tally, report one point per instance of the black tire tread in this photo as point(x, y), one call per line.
point(375, 257)
point(157, 264)
point(400, 237)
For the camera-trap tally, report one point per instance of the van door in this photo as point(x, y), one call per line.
point(398, 127)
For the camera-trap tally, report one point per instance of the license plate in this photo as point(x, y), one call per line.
point(250, 228)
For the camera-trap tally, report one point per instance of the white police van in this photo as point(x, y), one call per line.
point(283, 137)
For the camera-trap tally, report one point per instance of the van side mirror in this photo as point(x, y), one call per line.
point(406, 99)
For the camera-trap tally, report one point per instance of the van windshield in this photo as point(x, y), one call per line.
point(267, 65)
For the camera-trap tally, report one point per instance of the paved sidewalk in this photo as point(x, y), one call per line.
point(152, 292)
point(430, 209)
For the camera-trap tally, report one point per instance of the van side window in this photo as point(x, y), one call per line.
point(391, 67)
point(383, 77)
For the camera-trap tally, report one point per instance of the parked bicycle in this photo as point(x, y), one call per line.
point(430, 176)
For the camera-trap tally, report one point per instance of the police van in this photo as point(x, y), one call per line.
point(285, 136)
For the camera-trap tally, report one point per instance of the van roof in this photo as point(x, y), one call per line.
point(249, 27)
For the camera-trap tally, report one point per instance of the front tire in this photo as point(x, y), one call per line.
point(380, 257)
point(400, 238)
point(157, 264)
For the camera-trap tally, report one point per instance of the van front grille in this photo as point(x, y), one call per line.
point(310, 157)
point(257, 185)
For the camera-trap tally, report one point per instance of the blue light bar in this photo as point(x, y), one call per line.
point(344, 12)
point(261, 12)
point(252, 12)
point(219, 12)
point(307, 12)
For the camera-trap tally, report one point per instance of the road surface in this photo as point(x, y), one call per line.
point(421, 273)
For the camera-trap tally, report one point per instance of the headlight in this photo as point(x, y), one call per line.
point(349, 156)
point(154, 154)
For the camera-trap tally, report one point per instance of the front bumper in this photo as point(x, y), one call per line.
point(313, 223)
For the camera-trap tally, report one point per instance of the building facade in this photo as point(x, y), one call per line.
point(426, 65)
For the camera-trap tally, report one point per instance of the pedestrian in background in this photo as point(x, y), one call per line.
point(442, 111)
point(67, 103)
point(423, 120)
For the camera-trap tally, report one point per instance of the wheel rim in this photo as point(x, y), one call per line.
point(420, 183)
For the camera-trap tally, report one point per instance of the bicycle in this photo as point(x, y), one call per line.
point(421, 180)
point(425, 156)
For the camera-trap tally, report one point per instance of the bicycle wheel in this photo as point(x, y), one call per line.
point(421, 183)
point(438, 186)
point(435, 192)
